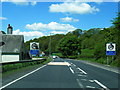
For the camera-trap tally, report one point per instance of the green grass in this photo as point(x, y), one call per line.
point(57, 54)
point(88, 55)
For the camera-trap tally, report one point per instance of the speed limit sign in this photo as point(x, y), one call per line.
point(110, 49)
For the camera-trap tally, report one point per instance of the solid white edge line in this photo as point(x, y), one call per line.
point(82, 70)
point(103, 86)
point(79, 83)
point(71, 70)
point(21, 77)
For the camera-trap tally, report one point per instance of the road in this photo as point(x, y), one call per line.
point(65, 73)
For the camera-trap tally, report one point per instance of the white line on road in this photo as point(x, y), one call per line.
point(82, 75)
point(74, 65)
point(91, 80)
point(79, 83)
point(71, 63)
point(84, 79)
point(90, 87)
point(82, 70)
point(71, 70)
point(21, 77)
point(103, 86)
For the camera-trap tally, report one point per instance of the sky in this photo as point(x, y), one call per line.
point(37, 19)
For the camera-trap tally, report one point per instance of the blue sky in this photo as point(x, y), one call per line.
point(36, 19)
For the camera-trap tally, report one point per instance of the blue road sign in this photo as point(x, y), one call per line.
point(110, 52)
point(34, 52)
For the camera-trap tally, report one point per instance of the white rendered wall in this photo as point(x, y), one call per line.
point(10, 58)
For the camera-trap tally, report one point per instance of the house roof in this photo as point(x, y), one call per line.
point(13, 43)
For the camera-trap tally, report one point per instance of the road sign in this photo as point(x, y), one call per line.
point(110, 49)
point(34, 46)
point(34, 52)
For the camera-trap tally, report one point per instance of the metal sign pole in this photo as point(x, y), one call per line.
point(112, 58)
point(107, 60)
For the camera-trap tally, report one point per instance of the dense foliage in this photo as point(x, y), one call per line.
point(69, 46)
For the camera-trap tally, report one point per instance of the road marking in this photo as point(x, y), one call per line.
point(84, 79)
point(58, 63)
point(82, 75)
point(103, 86)
point(71, 70)
point(82, 70)
point(79, 83)
point(91, 80)
point(68, 63)
point(90, 87)
point(21, 77)
point(71, 63)
point(74, 65)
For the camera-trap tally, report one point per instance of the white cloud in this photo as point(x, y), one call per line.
point(73, 8)
point(17, 2)
point(33, 3)
point(28, 35)
point(69, 19)
point(21, 2)
point(58, 32)
point(50, 26)
point(3, 18)
point(31, 33)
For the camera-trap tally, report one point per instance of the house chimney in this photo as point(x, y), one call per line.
point(9, 29)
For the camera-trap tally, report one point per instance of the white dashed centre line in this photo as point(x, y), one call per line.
point(79, 83)
point(90, 87)
point(103, 86)
point(82, 70)
point(71, 70)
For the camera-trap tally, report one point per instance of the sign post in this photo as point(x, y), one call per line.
point(110, 50)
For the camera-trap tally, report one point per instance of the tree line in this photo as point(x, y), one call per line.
point(83, 43)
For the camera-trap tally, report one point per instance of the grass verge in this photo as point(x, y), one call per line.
point(113, 63)
point(18, 66)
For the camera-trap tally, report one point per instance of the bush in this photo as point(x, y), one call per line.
point(86, 53)
point(100, 50)
point(116, 62)
point(102, 61)
point(72, 57)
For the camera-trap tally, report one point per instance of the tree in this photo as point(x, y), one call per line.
point(77, 32)
point(116, 23)
point(69, 46)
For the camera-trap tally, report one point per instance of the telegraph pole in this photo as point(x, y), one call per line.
point(50, 45)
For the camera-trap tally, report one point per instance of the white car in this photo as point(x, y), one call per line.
point(55, 57)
